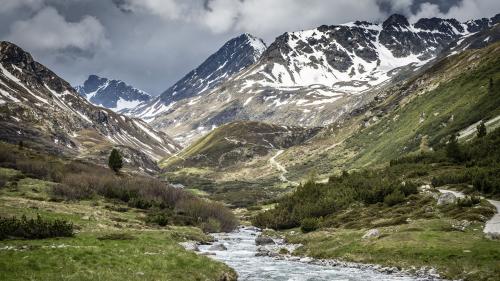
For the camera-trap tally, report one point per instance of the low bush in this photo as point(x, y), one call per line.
point(158, 217)
point(34, 228)
point(468, 201)
point(394, 198)
point(315, 200)
point(78, 180)
point(309, 224)
point(74, 187)
point(203, 211)
point(211, 226)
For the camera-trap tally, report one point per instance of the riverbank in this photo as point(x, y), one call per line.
point(239, 251)
point(111, 241)
point(433, 244)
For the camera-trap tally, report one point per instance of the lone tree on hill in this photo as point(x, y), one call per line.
point(115, 161)
point(481, 130)
point(490, 85)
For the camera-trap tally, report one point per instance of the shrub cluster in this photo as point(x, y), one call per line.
point(79, 180)
point(34, 228)
point(167, 205)
point(315, 200)
point(468, 201)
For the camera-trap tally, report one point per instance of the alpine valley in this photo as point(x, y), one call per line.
point(359, 151)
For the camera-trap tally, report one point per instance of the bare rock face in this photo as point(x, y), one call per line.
point(446, 199)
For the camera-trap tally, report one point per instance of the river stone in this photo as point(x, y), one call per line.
point(190, 246)
point(262, 252)
point(217, 247)
point(446, 198)
point(264, 240)
point(372, 233)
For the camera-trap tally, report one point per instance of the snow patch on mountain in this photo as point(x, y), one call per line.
point(112, 94)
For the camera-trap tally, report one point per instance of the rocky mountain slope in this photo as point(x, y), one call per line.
point(237, 143)
point(112, 94)
point(317, 77)
point(235, 55)
point(42, 110)
point(451, 95)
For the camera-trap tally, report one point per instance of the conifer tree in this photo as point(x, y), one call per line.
point(481, 130)
point(115, 161)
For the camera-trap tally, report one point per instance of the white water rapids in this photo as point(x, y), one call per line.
point(240, 255)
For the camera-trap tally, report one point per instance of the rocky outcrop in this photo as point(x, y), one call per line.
point(229, 276)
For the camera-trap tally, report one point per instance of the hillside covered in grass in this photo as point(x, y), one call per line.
point(70, 220)
point(451, 97)
point(401, 202)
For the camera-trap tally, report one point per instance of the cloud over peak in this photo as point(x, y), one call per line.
point(48, 30)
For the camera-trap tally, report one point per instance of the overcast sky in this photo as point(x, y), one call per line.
point(152, 43)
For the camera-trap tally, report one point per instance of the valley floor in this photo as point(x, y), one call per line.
point(112, 242)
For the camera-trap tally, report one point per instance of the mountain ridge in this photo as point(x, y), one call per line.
point(316, 77)
point(232, 57)
point(42, 110)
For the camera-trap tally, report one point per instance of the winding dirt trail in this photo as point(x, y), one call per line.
point(278, 166)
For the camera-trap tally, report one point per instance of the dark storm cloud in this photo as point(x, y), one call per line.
point(389, 7)
point(152, 43)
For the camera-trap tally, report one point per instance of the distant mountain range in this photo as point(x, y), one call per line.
point(418, 112)
point(310, 77)
point(113, 94)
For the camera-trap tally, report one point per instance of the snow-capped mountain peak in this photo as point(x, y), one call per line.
point(235, 55)
point(113, 94)
point(316, 77)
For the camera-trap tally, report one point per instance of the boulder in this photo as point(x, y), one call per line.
point(264, 240)
point(372, 234)
point(190, 246)
point(446, 198)
point(217, 247)
point(461, 225)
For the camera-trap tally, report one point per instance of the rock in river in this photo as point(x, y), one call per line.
point(264, 240)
